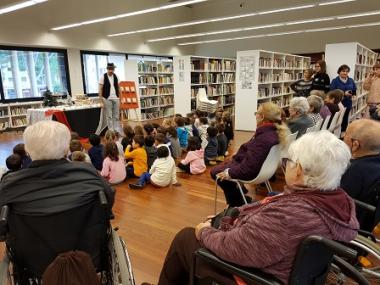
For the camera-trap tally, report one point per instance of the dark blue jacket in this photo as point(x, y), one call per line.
point(211, 150)
point(348, 86)
point(96, 154)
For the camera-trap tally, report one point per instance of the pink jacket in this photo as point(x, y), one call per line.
point(196, 160)
point(114, 171)
point(266, 236)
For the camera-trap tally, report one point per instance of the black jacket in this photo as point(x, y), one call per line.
point(52, 186)
point(321, 81)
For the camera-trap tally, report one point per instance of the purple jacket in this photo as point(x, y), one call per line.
point(267, 235)
point(247, 162)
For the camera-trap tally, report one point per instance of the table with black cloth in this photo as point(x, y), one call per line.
point(85, 120)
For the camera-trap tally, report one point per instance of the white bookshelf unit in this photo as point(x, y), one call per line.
point(264, 76)
point(216, 75)
point(360, 60)
point(155, 85)
point(13, 115)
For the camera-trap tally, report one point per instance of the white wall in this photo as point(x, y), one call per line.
point(75, 71)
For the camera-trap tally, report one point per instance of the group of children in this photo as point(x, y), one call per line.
point(150, 152)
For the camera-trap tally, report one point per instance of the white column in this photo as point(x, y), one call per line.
point(49, 82)
point(16, 74)
point(32, 74)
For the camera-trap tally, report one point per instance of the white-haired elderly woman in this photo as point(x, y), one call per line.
point(298, 119)
point(315, 103)
point(266, 234)
point(51, 184)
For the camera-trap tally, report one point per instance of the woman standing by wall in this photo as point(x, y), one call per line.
point(321, 80)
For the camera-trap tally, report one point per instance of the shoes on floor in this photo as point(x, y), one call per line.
point(179, 170)
point(135, 186)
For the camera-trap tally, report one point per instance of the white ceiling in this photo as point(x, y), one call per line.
point(32, 25)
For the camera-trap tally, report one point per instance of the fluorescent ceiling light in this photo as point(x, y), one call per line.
point(359, 15)
point(130, 14)
point(310, 21)
point(325, 29)
point(335, 2)
point(286, 9)
point(365, 25)
point(219, 19)
point(20, 6)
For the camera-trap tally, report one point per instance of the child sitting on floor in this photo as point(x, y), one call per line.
point(222, 142)
point(162, 172)
point(75, 145)
point(129, 134)
point(228, 127)
point(96, 152)
point(194, 162)
point(150, 149)
point(174, 142)
point(211, 150)
point(111, 136)
point(20, 150)
point(78, 156)
point(14, 163)
point(113, 164)
point(138, 163)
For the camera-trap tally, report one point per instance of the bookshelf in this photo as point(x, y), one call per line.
point(216, 75)
point(155, 85)
point(264, 76)
point(360, 59)
point(14, 115)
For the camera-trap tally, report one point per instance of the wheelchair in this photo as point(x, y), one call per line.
point(33, 242)
point(314, 258)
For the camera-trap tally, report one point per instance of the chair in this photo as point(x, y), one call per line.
point(268, 169)
point(325, 123)
point(311, 265)
point(334, 122)
point(318, 125)
point(284, 152)
point(204, 104)
point(338, 130)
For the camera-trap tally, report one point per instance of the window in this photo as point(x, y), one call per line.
point(94, 65)
point(27, 73)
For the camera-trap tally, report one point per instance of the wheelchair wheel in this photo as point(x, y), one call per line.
point(120, 265)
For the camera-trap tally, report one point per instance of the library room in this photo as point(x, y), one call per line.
point(189, 142)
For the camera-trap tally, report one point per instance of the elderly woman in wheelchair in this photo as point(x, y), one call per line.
point(53, 207)
point(266, 235)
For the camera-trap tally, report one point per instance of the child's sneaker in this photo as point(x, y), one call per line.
point(135, 186)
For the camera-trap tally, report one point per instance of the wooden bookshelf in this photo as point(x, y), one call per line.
point(216, 75)
point(14, 115)
point(265, 76)
point(360, 59)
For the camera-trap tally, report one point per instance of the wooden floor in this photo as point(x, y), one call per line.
point(149, 219)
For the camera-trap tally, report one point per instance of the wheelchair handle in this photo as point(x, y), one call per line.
point(4, 215)
point(103, 199)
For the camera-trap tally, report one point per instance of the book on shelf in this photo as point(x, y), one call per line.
point(149, 102)
point(165, 67)
point(229, 65)
point(148, 91)
point(264, 77)
point(215, 65)
point(19, 122)
point(199, 64)
point(229, 77)
point(198, 78)
point(214, 90)
point(265, 62)
point(166, 100)
point(263, 92)
point(145, 67)
point(215, 78)
point(278, 63)
point(147, 80)
point(3, 112)
point(166, 90)
point(165, 79)
point(18, 111)
point(4, 125)
point(229, 88)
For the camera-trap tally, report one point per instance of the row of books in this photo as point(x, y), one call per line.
point(165, 67)
point(282, 101)
point(198, 78)
point(166, 100)
point(146, 115)
point(147, 80)
point(213, 65)
point(149, 102)
point(4, 125)
point(19, 122)
point(148, 91)
point(361, 73)
point(214, 90)
point(365, 59)
point(145, 67)
point(3, 112)
point(166, 90)
point(229, 65)
point(267, 92)
point(165, 79)
point(265, 62)
point(228, 100)
point(18, 111)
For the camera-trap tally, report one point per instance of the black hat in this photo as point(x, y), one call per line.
point(110, 65)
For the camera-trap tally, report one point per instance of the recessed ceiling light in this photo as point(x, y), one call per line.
point(130, 14)
point(21, 5)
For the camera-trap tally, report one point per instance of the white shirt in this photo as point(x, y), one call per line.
point(112, 89)
point(163, 172)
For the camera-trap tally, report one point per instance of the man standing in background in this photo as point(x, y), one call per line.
point(109, 90)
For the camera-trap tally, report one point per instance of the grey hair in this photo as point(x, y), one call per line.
point(46, 140)
point(315, 102)
point(323, 157)
point(300, 105)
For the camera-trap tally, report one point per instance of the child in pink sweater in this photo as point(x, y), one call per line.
point(113, 164)
point(194, 161)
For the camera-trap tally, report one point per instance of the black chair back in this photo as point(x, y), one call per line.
point(368, 209)
point(313, 259)
point(35, 241)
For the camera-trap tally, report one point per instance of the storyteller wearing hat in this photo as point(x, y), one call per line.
point(109, 90)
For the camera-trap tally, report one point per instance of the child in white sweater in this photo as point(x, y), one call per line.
point(202, 129)
point(161, 174)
